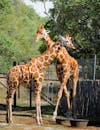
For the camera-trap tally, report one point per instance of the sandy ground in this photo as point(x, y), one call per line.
point(28, 122)
point(25, 120)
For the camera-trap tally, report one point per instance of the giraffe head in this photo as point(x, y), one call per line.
point(68, 39)
point(41, 33)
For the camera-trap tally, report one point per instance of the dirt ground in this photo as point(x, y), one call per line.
point(25, 121)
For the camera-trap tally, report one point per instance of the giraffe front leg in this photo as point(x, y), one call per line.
point(37, 114)
point(40, 116)
point(57, 104)
point(38, 109)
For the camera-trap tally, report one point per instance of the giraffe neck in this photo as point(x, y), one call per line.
point(49, 42)
point(50, 55)
point(45, 58)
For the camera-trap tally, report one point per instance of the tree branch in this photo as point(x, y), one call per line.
point(51, 18)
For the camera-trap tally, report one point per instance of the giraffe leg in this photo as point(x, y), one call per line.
point(40, 116)
point(38, 106)
point(9, 100)
point(57, 104)
point(75, 79)
point(67, 97)
point(60, 77)
point(38, 111)
point(63, 87)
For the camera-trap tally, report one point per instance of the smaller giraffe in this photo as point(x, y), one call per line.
point(66, 66)
point(32, 72)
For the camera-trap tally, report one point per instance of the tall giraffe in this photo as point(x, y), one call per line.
point(66, 66)
point(32, 72)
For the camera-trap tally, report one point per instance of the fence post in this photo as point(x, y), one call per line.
point(14, 64)
point(18, 88)
point(94, 73)
point(31, 90)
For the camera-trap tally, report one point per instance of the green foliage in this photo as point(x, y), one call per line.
point(5, 6)
point(80, 18)
point(6, 53)
point(18, 26)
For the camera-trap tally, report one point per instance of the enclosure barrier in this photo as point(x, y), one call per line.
point(87, 99)
point(88, 89)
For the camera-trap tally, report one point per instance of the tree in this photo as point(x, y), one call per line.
point(81, 20)
point(18, 26)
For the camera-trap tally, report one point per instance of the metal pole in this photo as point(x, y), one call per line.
point(18, 87)
point(14, 64)
point(94, 72)
point(31, 95)
point(18, 92)
point(48, 93)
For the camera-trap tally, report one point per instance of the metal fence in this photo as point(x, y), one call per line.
point(87, 100)
point(89, 68)
point(88, 88)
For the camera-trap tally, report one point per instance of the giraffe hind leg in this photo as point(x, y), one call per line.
point(75, 79)
point(9, 100)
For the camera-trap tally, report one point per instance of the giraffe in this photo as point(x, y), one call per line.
point(31, 72)
point(66, 67)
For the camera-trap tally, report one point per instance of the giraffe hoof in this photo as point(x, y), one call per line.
point(39, 122)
